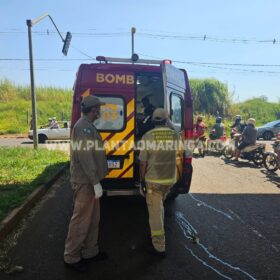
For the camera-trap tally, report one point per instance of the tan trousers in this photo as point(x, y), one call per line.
point(82, 238)
point(155, 197)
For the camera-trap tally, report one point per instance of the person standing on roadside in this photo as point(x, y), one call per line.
point(158, 174)
point(200, 135)
point(88, 167)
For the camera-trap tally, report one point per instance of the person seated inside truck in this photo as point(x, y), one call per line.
point(148, 107)
point(54, 124)
point(145, 123)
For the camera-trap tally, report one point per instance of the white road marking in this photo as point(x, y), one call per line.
point(189, 232)
point(211, 207)
point(230, 217)
point(206, 264)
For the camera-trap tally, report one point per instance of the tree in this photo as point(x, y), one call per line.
point(210, 96)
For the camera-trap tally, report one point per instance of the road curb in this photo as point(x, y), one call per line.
point(14, 136)
point(17, 214)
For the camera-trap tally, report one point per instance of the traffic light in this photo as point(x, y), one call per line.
point(66, 43)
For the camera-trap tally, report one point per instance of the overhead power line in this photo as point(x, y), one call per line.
point(213, 65)
point(90, 58)
point(208, 38)
point(210, 65)
point(162, 36)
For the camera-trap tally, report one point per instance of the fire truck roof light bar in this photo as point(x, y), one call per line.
point(128, 60)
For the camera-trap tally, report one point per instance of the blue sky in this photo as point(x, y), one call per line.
point(181, 19)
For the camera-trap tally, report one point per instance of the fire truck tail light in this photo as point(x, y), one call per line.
point(188, 133)
point(167, 61)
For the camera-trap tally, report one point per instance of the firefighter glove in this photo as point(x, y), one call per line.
point(98, 190)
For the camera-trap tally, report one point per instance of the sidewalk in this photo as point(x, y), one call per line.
point(21, 135)
point(39, 249)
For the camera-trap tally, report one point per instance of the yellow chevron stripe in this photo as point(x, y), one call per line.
point(86, 93)
point(128, 174)
point(120, 136)
point(115, 173)
point(125, 147)
point(117, 138)
point(104, 135)
point(130, 107)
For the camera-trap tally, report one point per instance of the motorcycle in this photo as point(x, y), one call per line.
point(253, 153)
point(214, 144)
point(272, 159)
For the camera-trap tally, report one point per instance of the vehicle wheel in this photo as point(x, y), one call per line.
point(258, 158)
point(211, 146)
point(220, 146)
point(267, 135)
point(228, 152)
point(42, 138)
point(271, 162)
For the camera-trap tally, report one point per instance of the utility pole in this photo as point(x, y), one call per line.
point(33, 95)
point(133, 31)
point(66, 42)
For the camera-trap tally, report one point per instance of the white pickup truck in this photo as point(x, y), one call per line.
point(45, 134)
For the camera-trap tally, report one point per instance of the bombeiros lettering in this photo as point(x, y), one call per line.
point(115, 78)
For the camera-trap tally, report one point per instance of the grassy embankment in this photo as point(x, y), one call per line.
point(15, 106)
point(22, 170)
point(258, 108)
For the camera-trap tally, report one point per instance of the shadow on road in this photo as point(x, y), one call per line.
point(240, 163)
point(272, 177)
point(27, 143)
point(213, 154)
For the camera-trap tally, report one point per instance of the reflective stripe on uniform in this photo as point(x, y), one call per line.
point(157, 232)
point(165, 182)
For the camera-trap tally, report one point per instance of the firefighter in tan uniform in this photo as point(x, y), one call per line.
point(88, 168)
point(158, 174)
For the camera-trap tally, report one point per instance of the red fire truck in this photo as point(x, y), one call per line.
point(123, 84)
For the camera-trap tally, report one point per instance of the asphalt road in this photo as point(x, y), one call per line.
point(13, 142)
point(233, 210)
point(26, 142)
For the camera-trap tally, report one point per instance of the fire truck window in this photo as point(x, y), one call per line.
point(149, 85)
point(176, 111)
point(111, 114)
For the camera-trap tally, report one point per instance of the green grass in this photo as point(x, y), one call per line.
point(258, 108)
point(22, 170)
point(15, 106)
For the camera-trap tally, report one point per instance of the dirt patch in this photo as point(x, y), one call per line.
point(13, 136)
